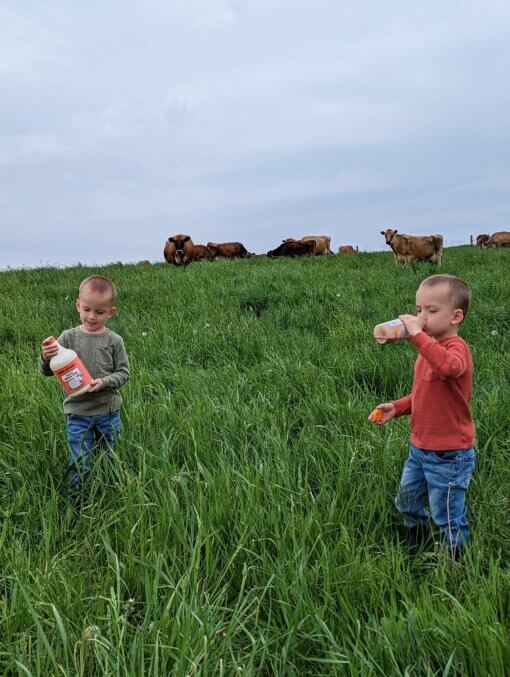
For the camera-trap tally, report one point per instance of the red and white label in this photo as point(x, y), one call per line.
point(74, 376)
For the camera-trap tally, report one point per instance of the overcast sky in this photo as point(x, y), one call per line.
point(123, 123)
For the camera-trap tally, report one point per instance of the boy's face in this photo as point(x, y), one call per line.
point(95, 310)
point(436, 310)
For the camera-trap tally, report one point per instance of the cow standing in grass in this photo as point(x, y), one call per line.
point(322, 243)
point(482, 239)
point(228, 250)
point(179, 250)
point(347, 249)
point(414, 247)
point(499, 239)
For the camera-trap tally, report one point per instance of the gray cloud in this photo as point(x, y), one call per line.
point(123, 123)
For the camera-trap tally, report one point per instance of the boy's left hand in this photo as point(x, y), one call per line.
point(97, 384)
point(413, 324)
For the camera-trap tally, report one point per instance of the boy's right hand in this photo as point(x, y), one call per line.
point(385, 412)
point(48, 351)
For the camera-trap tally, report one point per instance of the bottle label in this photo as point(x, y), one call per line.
point(397, 331)
point(74, 377)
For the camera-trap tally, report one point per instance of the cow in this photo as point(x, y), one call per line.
point(201, 253)
point(228, 250)
point(144, 262)
point(499, 239)
point(414, 247)
point(322, 243)
point(294, 248)
point(347, 249)
point(481, 239)
point(179, 250)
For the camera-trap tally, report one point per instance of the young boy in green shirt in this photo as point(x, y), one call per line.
point(94, 416)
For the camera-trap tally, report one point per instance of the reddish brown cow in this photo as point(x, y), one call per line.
point(414, 247)
point(294, 248)
point(499, 239)
point(201, 253)
point(143, 262)
point(228, 250)
point(346, 249)
point(481, 239)
point(179, 250)
point(322, 243)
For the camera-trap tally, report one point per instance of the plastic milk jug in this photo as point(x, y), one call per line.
point(388, 332)
point(69, 370)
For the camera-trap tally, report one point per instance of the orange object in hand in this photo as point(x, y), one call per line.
point(376, 415)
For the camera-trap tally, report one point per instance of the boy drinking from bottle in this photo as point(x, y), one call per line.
point(442, 455)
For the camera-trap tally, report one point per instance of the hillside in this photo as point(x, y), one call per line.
point(246, 522)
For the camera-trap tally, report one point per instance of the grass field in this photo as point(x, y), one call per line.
point(246, 523)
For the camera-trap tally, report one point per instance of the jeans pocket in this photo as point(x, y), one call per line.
point(448, 456)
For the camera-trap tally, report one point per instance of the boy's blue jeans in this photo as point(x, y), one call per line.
point(443, 477)
point(86, 432)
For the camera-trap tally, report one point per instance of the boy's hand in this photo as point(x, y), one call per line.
point(413, 324)
point(97, 384)
point(383, 413)
point(48, 351)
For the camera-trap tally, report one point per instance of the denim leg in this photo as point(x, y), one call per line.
point(412, 492)
point(80, 435)
point(107, 428)
point(448, 474)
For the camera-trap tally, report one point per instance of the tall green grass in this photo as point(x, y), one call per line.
point(246, 523)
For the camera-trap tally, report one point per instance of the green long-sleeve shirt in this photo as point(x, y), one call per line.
point(105, 357)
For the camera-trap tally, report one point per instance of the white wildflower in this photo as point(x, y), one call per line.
point(144, 334)
point(494, 332)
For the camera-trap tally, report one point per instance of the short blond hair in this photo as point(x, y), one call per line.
point(100, 285)
point(458, 290)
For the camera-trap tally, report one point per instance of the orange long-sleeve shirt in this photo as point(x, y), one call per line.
point(439, 402)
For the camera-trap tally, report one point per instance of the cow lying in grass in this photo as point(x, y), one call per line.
point(228, 250)
point(294, 248)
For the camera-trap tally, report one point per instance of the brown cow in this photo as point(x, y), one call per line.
point(144, 262)
point(228, 250)
point(481, 239)
point(201, 253)
point(346, 249)
point(294, 248)
point(414, 247)
point(499, 239)
point(179, 250)
point(322, 243)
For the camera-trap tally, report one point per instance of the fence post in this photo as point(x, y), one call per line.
point(471, 240)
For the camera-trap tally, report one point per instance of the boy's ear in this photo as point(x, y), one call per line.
point(113, 310)
point(458, 316)
point(78, 305)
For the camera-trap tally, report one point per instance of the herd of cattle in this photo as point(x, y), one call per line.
point(180, 250)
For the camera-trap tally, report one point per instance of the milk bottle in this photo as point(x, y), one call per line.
point(69, 370)
point(388, 332)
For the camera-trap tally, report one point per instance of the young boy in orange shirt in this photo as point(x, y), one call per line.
point(442, 455)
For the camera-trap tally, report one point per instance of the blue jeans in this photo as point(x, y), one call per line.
point(443, 477)
point(84, 433)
